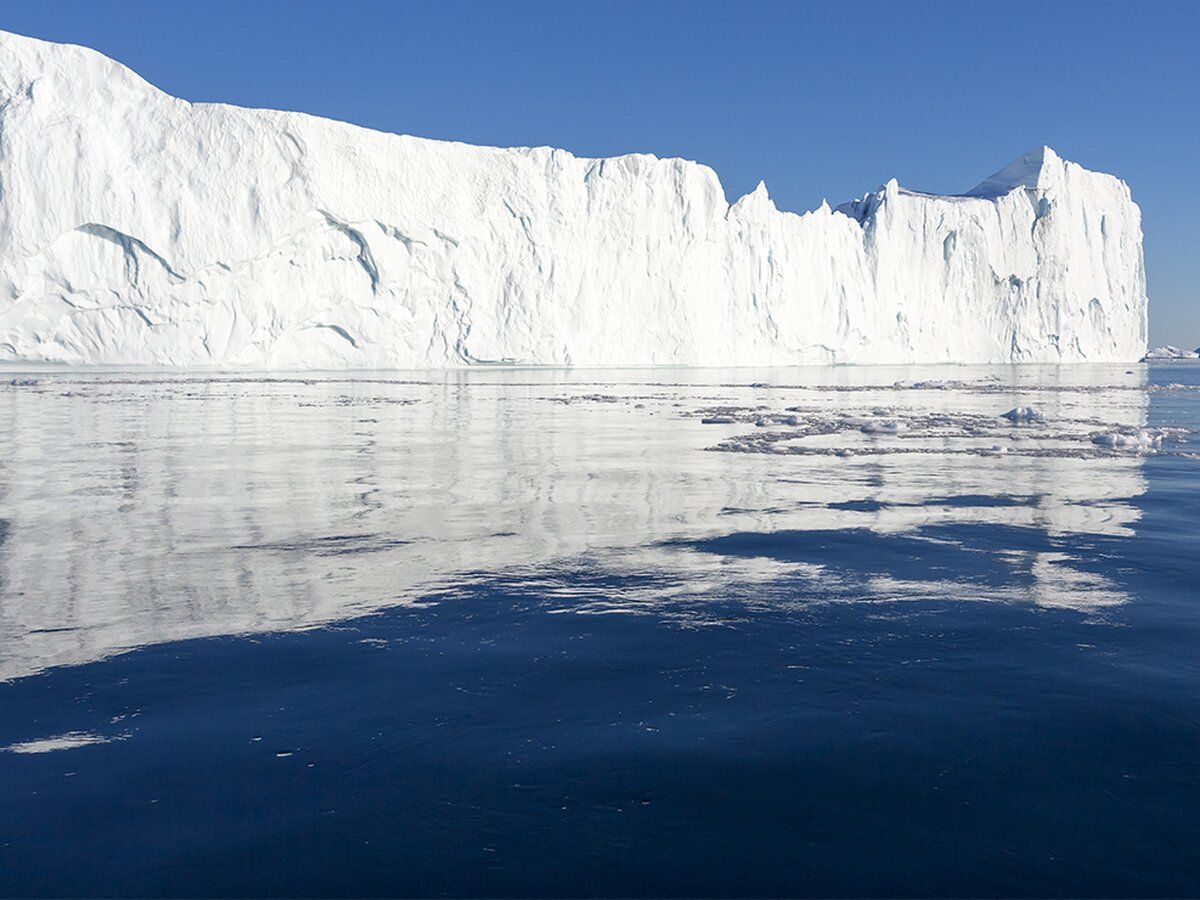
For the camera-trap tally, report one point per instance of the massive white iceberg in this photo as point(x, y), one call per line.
point(136, 228)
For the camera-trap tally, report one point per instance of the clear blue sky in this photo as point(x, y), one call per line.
point(819, 100)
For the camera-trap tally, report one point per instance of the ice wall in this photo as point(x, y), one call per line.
point(136, 228)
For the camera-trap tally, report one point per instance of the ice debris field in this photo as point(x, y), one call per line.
point(850, 429)
point(137, 228)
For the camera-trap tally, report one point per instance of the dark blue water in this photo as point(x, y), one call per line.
point(592, 657)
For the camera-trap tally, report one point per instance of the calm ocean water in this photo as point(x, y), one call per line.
point(642, 632)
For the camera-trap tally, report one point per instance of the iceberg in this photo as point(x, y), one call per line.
point(1169, 351)
point(141, 229)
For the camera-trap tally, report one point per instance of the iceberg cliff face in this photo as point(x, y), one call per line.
point(137, 228)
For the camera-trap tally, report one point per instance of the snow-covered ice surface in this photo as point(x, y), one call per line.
point(136, 228)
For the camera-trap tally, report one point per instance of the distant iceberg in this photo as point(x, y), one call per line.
point(136, 228)
point(1169, 352)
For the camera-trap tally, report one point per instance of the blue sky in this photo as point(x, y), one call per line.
point(819, 100)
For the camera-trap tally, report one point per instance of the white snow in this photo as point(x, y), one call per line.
point(138, 228)
point(1171, 352)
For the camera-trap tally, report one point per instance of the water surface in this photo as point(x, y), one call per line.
point(541, 632)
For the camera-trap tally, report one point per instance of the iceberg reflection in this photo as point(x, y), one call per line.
point(138, 508)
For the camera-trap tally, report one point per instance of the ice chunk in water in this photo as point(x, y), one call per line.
point(884, 426)
point(1139, 441)
point(1023, 414)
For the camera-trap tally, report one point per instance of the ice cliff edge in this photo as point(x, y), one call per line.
point(136, 228)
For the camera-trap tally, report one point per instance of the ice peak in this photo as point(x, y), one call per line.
point(756, 199)
point(1023, 172)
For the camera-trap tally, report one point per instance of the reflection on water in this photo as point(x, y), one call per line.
point(642, 633)
point(139, 508)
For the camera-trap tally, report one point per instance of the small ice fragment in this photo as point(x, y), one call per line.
point(717, 420)
point(885, 426)
point(1023, 414)
point(1142, 441)
point(920, 385)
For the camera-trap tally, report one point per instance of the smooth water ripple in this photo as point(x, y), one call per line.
point(542, 632)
